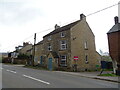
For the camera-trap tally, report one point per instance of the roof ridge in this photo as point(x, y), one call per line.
point(63, 28)
point(115, 28)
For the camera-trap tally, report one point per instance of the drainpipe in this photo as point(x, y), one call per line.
point(114, 66)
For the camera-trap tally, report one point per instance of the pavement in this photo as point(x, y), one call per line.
point(94, 75)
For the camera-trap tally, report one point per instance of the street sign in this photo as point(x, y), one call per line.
point(75, 58)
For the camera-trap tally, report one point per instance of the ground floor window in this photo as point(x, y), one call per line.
point(86, 59)
point(63, 61)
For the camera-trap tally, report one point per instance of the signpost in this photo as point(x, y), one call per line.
point(75, 65)
point(75, 58)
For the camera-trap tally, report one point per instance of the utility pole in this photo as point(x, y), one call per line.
point(34, 49)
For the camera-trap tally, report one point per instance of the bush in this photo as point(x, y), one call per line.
point(6, 60)
point(23, 56)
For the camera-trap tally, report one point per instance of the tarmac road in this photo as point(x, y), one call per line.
point(20, 77)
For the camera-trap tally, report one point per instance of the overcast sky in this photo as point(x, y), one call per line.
point(20, 19)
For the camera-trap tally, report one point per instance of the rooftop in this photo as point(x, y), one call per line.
point(115, 28)
point(64, 28)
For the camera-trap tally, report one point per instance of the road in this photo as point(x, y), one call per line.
point(20, 77)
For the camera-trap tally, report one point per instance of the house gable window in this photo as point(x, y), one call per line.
point(49, 38)
point(49, 47)
point(63, 60)
point(86, 45)
point(62, 34)
point(63, 45)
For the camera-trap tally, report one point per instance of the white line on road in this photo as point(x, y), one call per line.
point(11, 71)
point(1, 68)
point(36, 79)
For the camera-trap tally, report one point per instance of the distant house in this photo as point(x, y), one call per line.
point(69, 46)
point(25, 48)
point(38, 58)
point(4, 55)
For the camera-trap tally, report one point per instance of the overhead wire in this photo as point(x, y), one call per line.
point(51, 28)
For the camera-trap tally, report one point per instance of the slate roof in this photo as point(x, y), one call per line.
point(115, 28)
point(64, 28)
point(41, 42)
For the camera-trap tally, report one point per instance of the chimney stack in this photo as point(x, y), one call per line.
point(56, 26)
point(82, 16)
point(25, 43)
point(116, 19)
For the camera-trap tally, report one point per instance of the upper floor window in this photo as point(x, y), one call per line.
point(49, 47)
point(63, 45)
point(63, 61)
point(62, 34)
point(49, 37)
point(85, 44)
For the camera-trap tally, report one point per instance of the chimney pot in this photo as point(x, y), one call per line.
point(56, 26)
point(82, 16)
point(116, 19)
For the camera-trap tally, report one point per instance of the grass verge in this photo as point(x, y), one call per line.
point(109, 74)
point(35, 67)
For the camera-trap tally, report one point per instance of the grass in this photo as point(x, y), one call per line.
point(12, 64)
point(0, 59)
point(35, 67)
point(109, 74)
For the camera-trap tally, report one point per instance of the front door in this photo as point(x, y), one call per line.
point(41, 59)
point(50, 63)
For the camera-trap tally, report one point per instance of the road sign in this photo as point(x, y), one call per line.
point(75, 58)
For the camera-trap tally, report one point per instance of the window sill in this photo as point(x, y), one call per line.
point(86, 62)
point(63, 65)
point(86, 48)
point(62, 50)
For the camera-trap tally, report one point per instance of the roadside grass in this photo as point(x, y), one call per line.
point(35, 67)
point(0, 59)
point(109, 74)
point(12, 64)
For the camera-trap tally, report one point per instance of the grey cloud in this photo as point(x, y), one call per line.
point(15, 13)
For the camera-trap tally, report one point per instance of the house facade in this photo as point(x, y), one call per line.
point(69, 46)
point(38, 58)
point(25, 48)
point(114, 44)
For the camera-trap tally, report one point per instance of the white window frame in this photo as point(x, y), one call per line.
point(85, 44)
point(63, 59)
point(49, 47)
point(62, 34)
point(63, 45)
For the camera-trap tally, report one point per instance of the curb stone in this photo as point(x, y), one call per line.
point(93, 77)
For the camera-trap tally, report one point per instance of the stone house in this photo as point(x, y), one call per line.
point(25, 48)
point(71, 45)
point(38, 58)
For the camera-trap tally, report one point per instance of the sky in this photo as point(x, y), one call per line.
point(20, 19)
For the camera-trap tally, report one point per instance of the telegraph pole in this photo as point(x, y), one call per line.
point(34, 49)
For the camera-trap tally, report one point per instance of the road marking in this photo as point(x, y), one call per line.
point(36, 79)
point(11, 71)
point(1, 68)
